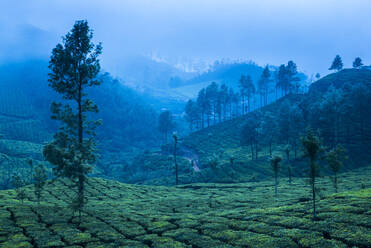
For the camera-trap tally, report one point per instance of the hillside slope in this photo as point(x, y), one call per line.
point(194, 216)
point(222, 156)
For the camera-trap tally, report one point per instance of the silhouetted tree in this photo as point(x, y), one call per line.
point(192, 113)
point(275, 163)
point(335, 159)
point(318, 76)
point(203, 105)
point(175, 136)
point(337, 64)
point(263, 86)
point(312, 148)
point(74, 66)
point(250, 134)
point(212, 98)
point(357, 63)
point(292, 78)
point(40, 179)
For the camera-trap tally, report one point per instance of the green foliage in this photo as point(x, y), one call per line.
point(312, 148)
point(74, 67)
point(40, 178)
point(18, 183)
point(335, 158)
point(199, 215)
point(337, 64)
point(357, 63)
point(275, 163)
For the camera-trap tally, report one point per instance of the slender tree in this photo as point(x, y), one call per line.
point(337, 64)
point(335, 159)
point(263, 86)
point(175, 137)
point(312, 148)
point(40, 179)
point(18, 183)
point(275, 163)
point(203, 105)
point(74, 66)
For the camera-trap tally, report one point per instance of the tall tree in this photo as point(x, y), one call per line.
point(192, 113)
point(337, 64)
point(175, 136)
point(292, 78)
point(242, 86)
point(312, 148)
point(281, 80)
point(165, 124)
point(203, 105)
point(263, 86)
point(212, 97)
point(74, 66)
point(357, 63)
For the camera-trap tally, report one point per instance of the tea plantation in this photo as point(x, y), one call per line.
point(193, 215)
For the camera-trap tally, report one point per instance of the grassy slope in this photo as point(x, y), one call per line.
point(197, 215)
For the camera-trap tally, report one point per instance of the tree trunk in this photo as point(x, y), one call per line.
point(176, 164)
point(313, 175)
point(275, 183)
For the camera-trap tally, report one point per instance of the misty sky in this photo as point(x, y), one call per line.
point(310, 32)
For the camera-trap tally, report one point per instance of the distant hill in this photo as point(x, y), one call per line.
point(350, 87)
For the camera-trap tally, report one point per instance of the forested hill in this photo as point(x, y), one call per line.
point(239, 150)
point(336, 105)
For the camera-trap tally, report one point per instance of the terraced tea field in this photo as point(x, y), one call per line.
point(195, 215)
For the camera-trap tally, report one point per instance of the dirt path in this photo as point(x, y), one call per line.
point(192, 157)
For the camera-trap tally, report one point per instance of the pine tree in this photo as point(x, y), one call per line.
point(334, 158)
point(74, 66)
point(263, 86)
point(312, 148)
point(337, 64)
point(357, 63)
point(192, 113)
point(203, 105)
point(275, 163)
point(40, 179)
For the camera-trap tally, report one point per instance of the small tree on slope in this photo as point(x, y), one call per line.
point(74, 67)
point(275, 163)
point(312, 148)
point(40, 179)
point(18, 183)
point(334, 158)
